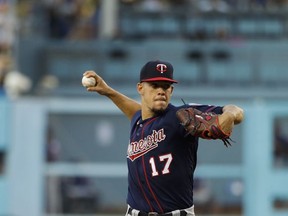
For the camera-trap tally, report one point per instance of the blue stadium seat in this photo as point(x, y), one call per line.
point(274, 71)
point(236, 72)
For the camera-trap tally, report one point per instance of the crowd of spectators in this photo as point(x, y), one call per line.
point(209, 5)
point(7, 24)
point(72, 19)
point(59, 19)
point(12, 81)
point(80, 19)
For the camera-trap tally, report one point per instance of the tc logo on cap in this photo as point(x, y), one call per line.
point(161, 68)
point(154, 71)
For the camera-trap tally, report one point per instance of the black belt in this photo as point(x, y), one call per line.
point(182, 213)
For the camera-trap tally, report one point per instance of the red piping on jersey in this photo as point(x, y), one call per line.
point(209, 109)
point(135, 130)
point(146, 198)
point(144, 168)
point(138, 179)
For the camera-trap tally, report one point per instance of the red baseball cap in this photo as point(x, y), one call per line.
point(157, 71)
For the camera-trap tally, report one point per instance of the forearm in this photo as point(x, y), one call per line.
point(127, 105)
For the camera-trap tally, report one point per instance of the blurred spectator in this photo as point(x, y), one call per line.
point(212, 5)
point(62, 15)
point(87, 22)
point(47, 84)
point(202, 191)
point(258, 4)
point(16, 84)
point(53, 147)
point(78, 195)
point(128, 2)
point(7, 39)
point(280, 144)
point(12, 81)
point(179, 3)
point(5, 63)
point(53, 183)
point(7, 26)
point(278, 4)
point(72, 19)
point(2, 162)
point(272, 5)
point(153, 6)
point(31, 20)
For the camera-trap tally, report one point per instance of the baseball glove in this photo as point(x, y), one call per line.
point(201, 124)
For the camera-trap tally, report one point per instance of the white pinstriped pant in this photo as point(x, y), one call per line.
point(190, 212)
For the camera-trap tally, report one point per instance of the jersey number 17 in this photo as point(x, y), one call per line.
point(167, 159)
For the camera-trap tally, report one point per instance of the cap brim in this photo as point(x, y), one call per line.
point(159, 79)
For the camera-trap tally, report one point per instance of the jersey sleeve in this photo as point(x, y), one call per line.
point(207, 108)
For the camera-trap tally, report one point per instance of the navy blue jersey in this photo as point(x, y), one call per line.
point(161, 161)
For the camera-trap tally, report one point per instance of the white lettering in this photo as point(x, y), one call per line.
point(137, 149)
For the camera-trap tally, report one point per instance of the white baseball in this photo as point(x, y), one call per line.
point(88, 81)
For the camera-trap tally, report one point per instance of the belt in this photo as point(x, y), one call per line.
point(140, 213)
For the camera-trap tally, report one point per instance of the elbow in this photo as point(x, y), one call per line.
point(236, 111)
point(239, 116)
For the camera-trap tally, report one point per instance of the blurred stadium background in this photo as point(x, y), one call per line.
point(62, 149)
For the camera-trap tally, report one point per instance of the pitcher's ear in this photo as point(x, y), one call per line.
point(139, 87)
point(172, 89)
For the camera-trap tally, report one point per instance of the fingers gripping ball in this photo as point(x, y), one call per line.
point(88, 81)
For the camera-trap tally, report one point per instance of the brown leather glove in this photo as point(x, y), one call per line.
point(200, 124)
